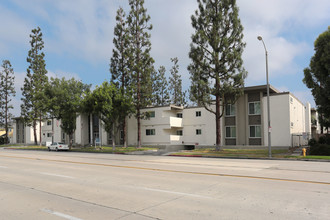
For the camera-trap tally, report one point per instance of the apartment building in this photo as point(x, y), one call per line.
point(243, 124)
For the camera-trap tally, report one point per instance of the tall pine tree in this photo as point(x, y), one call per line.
point(7, 90)
point(119, 63)
point(216, 53)
point(161, 95)
point(141, 63)
point(34, 105)
point(175, 87)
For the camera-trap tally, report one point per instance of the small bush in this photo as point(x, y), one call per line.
point(324, 139)
point(320, 149)
point(312, 142)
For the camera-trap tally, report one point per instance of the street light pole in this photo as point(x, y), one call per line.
point(268, 108)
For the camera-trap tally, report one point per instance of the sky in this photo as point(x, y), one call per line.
point(78, 37)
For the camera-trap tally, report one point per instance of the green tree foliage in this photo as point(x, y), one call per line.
point(160, 94)
point(66, 102)
point(216, 49)
point(111, 105)
point(317, 77)
point(7, 90)
point(141, 63)
point(34, 101)
point(119, 63)
point(175, 87)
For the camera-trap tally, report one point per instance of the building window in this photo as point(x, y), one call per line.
point(49, 134)
point(230, 110)
point(198, 131)
point(179, 115)
point(291, 124)
point(230, 132)
point(151, 114)
point(150, 132)
point(179, 132)
point(49, 122)
point(63, 136)
point(255, 131)
point(254, 108)
point(198, 113)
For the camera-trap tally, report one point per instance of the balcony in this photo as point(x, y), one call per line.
point(176, 139)
point(175, 122)
point(168, 122)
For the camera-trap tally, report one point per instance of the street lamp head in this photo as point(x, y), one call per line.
point(259, 38)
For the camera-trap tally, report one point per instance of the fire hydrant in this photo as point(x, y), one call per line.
point(304, 152)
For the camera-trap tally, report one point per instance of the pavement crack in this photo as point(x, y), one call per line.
point(77, 200)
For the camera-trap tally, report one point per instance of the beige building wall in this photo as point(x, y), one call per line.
point(24, 134)
point(205, 122)
point(279, 120)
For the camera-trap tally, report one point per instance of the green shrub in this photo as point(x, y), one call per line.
point(312, 142)
point(324, 139)
point(320, 149)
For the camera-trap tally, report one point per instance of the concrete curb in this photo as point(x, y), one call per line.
point(252, 158)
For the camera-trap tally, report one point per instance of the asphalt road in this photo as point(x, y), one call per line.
point(66, 185)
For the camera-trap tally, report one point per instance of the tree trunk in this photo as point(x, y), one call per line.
point(35, 132)
point(124, 132)
point(217, 117)
point(6, 120)
point(53, 129)
point(40, 130)
point(139, 128)
point(113, 137)
point(70, 141)
point(137, 38)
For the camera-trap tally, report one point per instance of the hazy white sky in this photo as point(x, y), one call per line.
point(78, 37)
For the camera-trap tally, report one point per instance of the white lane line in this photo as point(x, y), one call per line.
point(60, 214)
point(3, 167)
point(173, 192)
point(58, 175)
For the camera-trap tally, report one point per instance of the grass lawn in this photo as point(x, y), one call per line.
point(243, 153)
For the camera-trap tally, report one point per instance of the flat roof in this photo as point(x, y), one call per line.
point(272, 89)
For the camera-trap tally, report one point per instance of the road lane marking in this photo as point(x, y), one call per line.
point(173, 192)
point(69, 217)
point(3, 167)
point(57, 175)
point(174, 171)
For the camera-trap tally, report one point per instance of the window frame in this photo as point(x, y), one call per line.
point(231, 107)
point(150, 132)
point(152, 114)
point(198, 131)
point(255, 131)
point(179, 132)
point(198, 113)
point(230, 137)
point(49, 123)
point(254, 108)
point(179, 115)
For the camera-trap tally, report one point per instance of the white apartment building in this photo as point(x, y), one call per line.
point(243, 124)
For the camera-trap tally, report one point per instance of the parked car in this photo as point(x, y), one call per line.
point(58, 146)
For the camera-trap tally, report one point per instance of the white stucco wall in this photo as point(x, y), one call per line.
point(279, 120)
point(206, 123)
point(308, 118)
point(166, 125)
